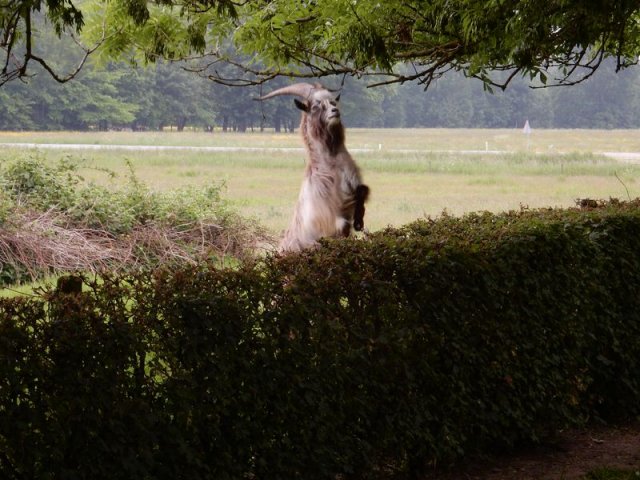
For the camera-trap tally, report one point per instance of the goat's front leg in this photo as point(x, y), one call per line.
point(361, 194)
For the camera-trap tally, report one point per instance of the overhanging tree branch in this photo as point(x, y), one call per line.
point(16, 65)
point(543, 39)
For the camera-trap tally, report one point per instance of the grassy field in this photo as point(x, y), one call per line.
point(412, 173)
point(436, 139)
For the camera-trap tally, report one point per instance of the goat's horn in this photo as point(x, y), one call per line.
point(298, 89)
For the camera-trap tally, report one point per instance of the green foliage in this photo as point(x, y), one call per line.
point(14, 111)
point(417, 346)
point(30, 181)
point(33, 184)
point(545, 42)
point(52, 221)
point(541, 41)
point(536, 39)
point(119, 211)
point(6, 206)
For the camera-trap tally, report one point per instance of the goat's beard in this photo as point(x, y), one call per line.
point(329, 133)
point(334, 124)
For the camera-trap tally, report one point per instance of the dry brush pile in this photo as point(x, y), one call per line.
point(53, 221)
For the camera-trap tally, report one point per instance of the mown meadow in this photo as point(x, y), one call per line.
point(412, 173)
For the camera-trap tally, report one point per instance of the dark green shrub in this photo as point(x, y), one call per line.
point(11, 274)
point(414, 347)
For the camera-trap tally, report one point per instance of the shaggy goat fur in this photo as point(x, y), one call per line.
point(332, 195)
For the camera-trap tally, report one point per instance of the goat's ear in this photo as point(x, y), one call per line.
point(301, 105)
point(337, 99)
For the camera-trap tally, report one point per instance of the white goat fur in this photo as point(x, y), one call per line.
point(332, 191)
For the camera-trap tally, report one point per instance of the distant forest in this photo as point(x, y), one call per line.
point(163, 95)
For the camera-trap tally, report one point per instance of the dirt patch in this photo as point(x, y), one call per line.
point(569, 456)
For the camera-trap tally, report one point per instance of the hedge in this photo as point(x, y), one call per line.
point(362, 358)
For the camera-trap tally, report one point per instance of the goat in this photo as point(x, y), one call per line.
point(332, 195)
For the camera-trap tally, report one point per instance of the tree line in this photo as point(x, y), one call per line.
point(165, 95)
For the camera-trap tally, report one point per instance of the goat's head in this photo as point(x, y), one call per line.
point(320, 106)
